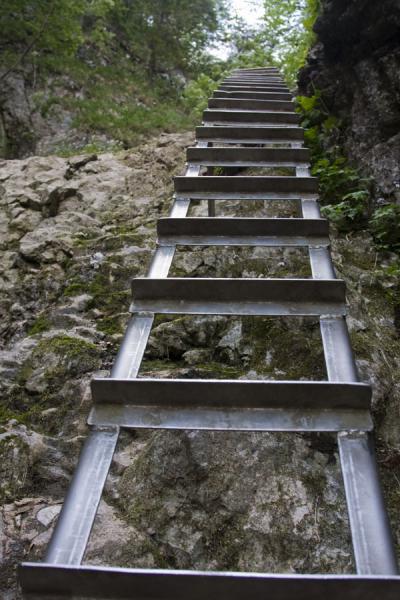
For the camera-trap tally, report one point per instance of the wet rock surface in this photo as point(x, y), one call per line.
point(74, 233)
point(355, 64)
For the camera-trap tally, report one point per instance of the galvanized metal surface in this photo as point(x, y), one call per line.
point(243, 232)
point(273, 297)
point(230, 405)
point(243, 104)
point(253, 95)
point(158, 584)
point(231, 393)
point(249, 116)
point(68, 542)
point(252, 89)
point(259, 135)
point(252, 156)
point(246, 185)
point(372, 539)
point(244, 419)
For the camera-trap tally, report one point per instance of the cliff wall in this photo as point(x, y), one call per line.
point(356, 65)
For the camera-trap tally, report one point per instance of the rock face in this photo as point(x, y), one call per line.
point(356, 65)
point(73, 234)
point(32, 121)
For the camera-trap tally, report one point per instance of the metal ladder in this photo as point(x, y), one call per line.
point(250, 122)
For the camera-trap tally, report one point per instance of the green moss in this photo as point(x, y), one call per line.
point(224, 541)
point(299, 352)
point(217, 370)
point(55, 361)
point(68, 346)
point(41, 324)
point(315, 482)
point(110, 325)
point(75, 287)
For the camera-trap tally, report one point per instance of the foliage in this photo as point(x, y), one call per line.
point(339, 181)
point(343, 191)
point(250, 48)
point(121, 65)
point(283, 40)
point(289, 25)
point(385, 227)
point(345, 215)
point(197, 93)
point(40, 27)
point(164, 33)
point(124, 106)
point(388, 276)
point(160, 35)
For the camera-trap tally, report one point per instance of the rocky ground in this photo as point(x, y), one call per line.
point(73, 233)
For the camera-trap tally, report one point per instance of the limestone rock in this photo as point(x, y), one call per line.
point(356, 64)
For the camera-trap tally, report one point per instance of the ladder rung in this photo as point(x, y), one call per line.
point(250, 88)
point(247, 116)
point(253, 95)
point(231, 393)
point(249, 83)
point(244, 232)
point(254, 83)
point(230, 404)
point(274, 105)
point(253, 79)
point(284, 157)
point(274, 297)
point(220, 187)
point(256, 135)
point(257, 70)
point(166, 584)
point(274, 85)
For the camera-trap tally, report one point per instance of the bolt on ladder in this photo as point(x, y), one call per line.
point(248, 117)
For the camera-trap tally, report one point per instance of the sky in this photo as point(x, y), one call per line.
point(251, 11)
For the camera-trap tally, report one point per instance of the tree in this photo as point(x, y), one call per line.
point(165, 34)
point(43, 26)
point(283, 39)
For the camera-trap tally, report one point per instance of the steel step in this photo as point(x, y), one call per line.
point(254, 80)
point(254, 87)
point(274, 297)
point(230, 404)
point(255, 135)
point(249, 116)
point(253, 95)
point(268, 69)
point(231, 393)
point(251, 88)
point(166, 584)
point(240, 82)
point(262, 157)
point(258, 105)
point(258, 187)
point(242, 232)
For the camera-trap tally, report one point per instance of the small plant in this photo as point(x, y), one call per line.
point(385, 227)
point(41, 324)
point(349, 214)
point(343, 191)
point(197, 92)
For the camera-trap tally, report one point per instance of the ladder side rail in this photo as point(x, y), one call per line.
point(371, 534)
point(71, 534)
